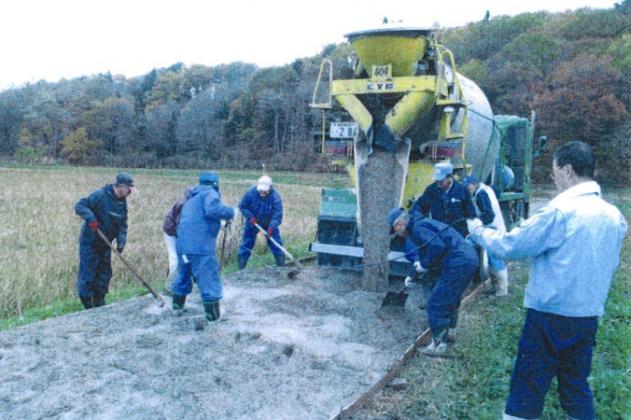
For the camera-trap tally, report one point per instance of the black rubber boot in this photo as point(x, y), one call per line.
point(242, 262)
point(178, 304)
point(280, 260)
point(99, 300)
point(212, 310)
point(87, 302)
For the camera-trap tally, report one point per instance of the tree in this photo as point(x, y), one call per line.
point(111, 123)
point(580, 101)
point(77, 148)
point(199, 128)
point(29, 151)
point(12, 104)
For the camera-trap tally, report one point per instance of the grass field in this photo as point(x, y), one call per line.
point(39, 259)
point(39, 230)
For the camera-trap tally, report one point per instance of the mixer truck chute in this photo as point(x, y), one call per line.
point(413, 109)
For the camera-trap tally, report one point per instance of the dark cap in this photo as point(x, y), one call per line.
point(124, 179)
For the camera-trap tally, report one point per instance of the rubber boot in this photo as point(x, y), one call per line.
point(280, 260)
point(178, 304)
point(450, 337)
point(438, 346)
point(242, 262)
point(87, 302)
point(99, 300)
point(502, 283)
point(212, 310)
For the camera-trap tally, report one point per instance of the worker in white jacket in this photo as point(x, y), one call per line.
point(487, 209)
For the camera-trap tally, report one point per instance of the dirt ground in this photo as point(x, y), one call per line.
point(284, 348)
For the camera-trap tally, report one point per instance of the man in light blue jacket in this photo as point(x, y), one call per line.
point(574, 244)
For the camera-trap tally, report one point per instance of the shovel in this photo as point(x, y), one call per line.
point(292, 273)
point(134, 272)
point(398, 298)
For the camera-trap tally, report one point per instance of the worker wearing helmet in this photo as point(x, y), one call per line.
point(439, 248)
point(261, 205)
point(200, 221)
point(487, 209)
point(445, 200)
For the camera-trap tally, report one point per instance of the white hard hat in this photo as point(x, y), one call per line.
point(264, 183)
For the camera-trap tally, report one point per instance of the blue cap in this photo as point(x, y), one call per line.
point(441, 170)
point(209, 178)
point(394, 215)
point(471, 179)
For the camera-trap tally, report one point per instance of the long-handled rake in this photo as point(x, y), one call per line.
point(128, 265)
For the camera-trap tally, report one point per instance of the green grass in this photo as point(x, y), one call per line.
point(474, 384)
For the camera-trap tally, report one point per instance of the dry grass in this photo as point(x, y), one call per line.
point(39, 229)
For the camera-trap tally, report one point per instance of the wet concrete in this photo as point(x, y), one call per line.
point(284, 348)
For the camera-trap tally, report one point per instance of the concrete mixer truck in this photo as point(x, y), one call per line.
point(411, 109)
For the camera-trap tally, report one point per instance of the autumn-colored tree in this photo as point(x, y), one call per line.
point(580, 100)
point(77, 148)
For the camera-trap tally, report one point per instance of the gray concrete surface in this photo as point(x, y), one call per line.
point(284, 349)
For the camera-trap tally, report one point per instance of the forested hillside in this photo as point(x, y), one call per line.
point(572, 68)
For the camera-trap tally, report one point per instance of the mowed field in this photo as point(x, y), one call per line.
point(39, 229)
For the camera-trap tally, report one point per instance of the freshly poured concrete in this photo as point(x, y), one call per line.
point(284, 348)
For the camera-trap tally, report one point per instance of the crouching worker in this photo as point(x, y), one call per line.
point(439, 247)
point(487, 209)
point(104, 209)
point(200, 221)
point(261, 205)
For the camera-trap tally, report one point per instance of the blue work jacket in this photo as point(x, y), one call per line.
point(111, 213)
point(200, 221)
point(439, 245)
point(268, 211)
point(445, 206)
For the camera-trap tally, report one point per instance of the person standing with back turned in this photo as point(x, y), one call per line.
point(574, 245)
point(200, 221)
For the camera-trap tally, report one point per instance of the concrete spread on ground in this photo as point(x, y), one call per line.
point(300, 348)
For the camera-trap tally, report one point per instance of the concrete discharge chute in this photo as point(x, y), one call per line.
point(413, 109)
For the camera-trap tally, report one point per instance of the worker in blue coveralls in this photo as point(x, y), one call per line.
point(200, 221)
point(446, 200)
point(574, 247)
point(104, 209)
point(487, 209)
point(261, 205)
point(441, 248)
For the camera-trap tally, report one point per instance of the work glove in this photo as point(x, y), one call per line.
point(252, 221)
point(418, 267)
point(270, 231)
point(474, 224)
point(94, 225)
point(408, 282)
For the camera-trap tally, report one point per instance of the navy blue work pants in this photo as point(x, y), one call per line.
point(249, 240)
point(444, 300)
point(553, 345)
point(95, 270)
